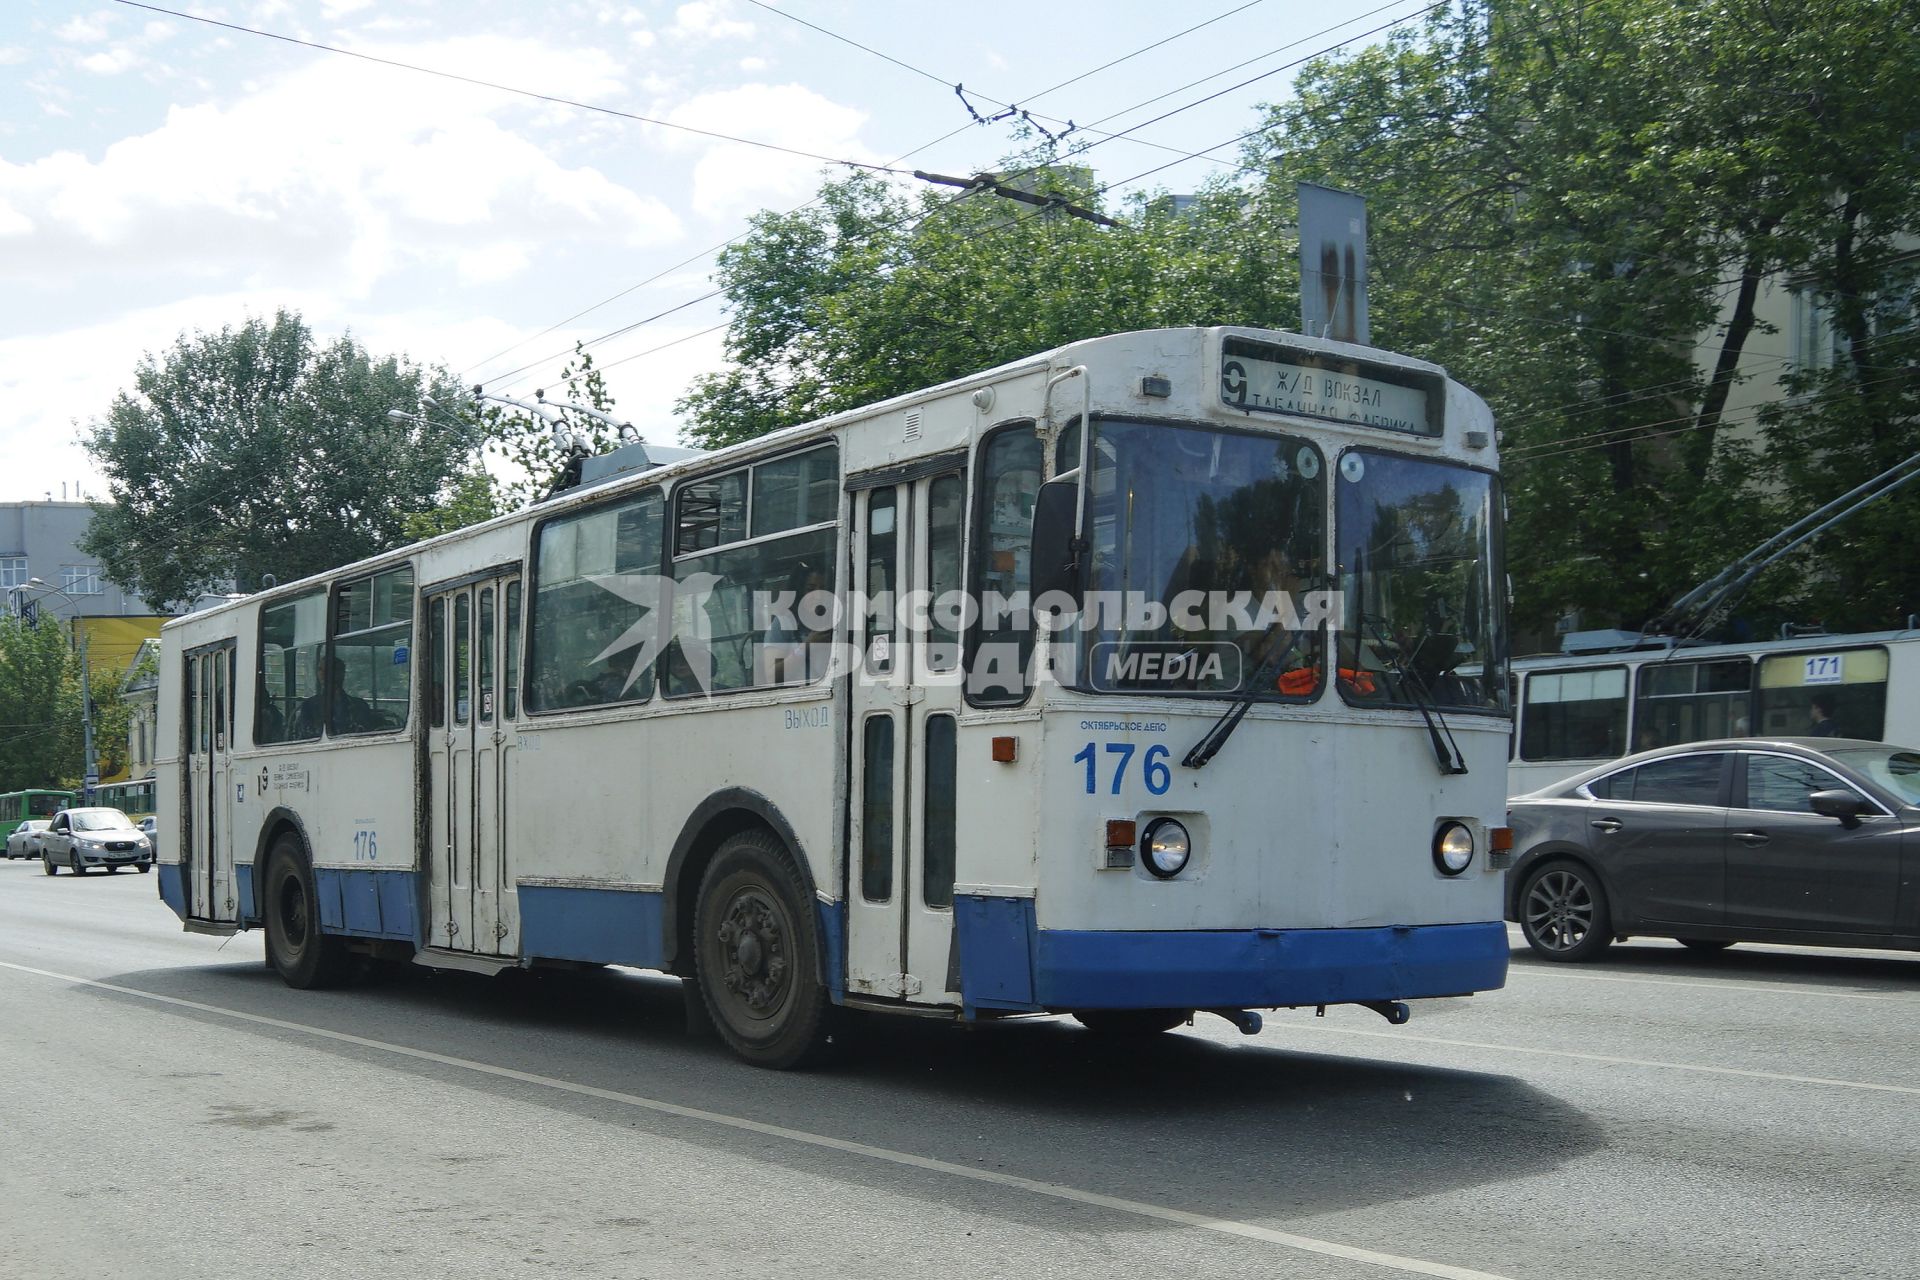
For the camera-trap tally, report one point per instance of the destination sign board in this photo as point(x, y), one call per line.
point(1267, 379)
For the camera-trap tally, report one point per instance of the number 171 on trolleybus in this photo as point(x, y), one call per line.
point(1160, 673)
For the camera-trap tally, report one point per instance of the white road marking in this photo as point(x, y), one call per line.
point(1770, 988)
point(1051, 1190)
point(1778, 1077)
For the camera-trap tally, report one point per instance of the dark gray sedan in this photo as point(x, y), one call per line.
point(1814, 841)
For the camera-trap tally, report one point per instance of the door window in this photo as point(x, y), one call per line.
point(1679, 780)
point(876, 811)
point(937, 858)
point(1781, 784)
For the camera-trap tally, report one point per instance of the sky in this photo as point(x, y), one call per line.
point(160, 174)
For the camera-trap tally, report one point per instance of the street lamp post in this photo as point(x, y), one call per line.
point(92, 779)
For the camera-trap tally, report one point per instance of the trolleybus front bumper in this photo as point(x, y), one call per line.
point(1006, 963)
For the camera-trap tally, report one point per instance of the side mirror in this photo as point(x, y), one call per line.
point(1056, 546)
point(1839, 803)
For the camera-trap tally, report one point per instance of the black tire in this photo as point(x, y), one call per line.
point(299, 952)
point(756, 954)
point(47, 862)
point(1703, 944)
point(79, 867)
point(1563, 912)
point(113, 871)
point(145, 867)
point(1131, 1022)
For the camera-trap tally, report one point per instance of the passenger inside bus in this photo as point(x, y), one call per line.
point(349, 713)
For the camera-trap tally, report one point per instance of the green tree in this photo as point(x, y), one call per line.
point(40, 723)
point(256, 451)
point(869, 293)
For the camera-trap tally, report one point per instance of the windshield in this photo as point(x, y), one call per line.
point(1419, 564)
point(100, 820)
point(1207, 546)
point(1895, 769)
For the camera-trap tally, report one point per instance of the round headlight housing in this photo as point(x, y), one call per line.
point(1165, 848)
point(1452, 848)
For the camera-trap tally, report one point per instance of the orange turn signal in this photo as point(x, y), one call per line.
point(1500, 839)
point(1121, 833)
point(1005, 750)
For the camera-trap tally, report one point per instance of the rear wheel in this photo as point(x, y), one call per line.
point(1703, 944)
point(1131, 1022)
point(299, 952)
point(1563, 912)
point(756, 952)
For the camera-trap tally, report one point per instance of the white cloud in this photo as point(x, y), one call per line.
point(156, 32)
point(643, 39)
point(334, 10)
point(753, 66)
point(707, 20)
point(732, 179)
point(13, 222)
point(85, 29)
point(112, 62)
point(12, 55)
point(341, 173)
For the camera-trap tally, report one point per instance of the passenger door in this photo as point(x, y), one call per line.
point(1658, 831)
point(473, 715)
point(1791, 868)
point(905, 702)
point(209, 870)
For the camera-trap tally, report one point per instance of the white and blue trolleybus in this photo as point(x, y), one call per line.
point(1163, 672)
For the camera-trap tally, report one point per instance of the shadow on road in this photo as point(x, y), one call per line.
point(1237, 1128)
point(1877, 973)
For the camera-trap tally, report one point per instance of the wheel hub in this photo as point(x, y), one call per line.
point(754, 953)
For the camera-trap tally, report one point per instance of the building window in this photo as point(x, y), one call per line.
point(13, 572)
point(80, 579)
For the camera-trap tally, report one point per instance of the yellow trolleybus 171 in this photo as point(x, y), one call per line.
point(1158, 673)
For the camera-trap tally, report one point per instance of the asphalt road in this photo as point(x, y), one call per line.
point(169, 1109)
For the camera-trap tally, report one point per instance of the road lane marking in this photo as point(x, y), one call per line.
point(1051, 1190)
point(1776, 1076)
point(1769, 988)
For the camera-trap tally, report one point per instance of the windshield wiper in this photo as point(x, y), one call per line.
point(1209, 746)
point(1446, 751)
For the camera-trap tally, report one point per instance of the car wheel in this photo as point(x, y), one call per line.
point(1703, 944)
point(1131, 1022)
point(47, 862)
point(79, 867)
point(1563, 912)
point(145, 867)
point(756, 953)
point(298, 951)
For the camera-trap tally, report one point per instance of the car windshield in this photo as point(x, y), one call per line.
point(1419, 564)
point(1208, 546)
point(1895, 768)
point(100, 820)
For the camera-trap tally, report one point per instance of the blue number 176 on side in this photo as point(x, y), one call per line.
point(1154, 771)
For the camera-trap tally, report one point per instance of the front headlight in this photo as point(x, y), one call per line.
point(1165, 848)
point(1452, 848)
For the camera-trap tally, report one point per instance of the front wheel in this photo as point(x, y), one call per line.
point(299, 952)
point(756, 951)
point(79, 867)
point(1563, 912)
point(1703, 944)
point(47, 862)
point(1131, 1022)
point(145, 867)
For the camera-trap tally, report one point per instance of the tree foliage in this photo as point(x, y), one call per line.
point(256, 450)
point(40, 720)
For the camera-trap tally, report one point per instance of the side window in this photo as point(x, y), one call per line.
point(1825, 694)
point(1688, 701)
point(1683, 780)
point(437, 662)
point(1782, 784)
point(1002, 642)
point(946, 524)
point(726, 582)
point(368, 680)
point(293, 636)
point(594, 618)
point(1574, 715)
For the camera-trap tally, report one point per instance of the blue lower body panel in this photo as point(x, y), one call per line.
point(369, 904)
point(1007, 963)
point(173, 887)
point(598, 926)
